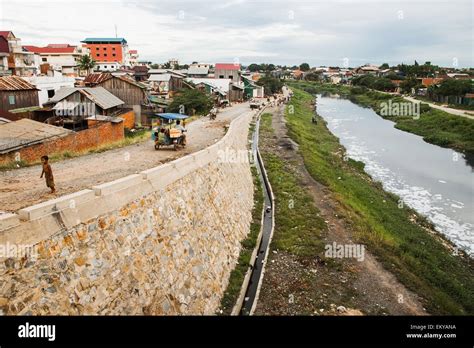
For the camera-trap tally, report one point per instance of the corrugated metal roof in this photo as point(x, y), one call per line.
point(26, 132)
point(15, 83)
point(62, 93)
point(97, 95)
point(195, 70)
point(101, 97)
point(98, 78)
point(159, 77)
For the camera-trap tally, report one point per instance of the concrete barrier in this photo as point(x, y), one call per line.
point(55, 205)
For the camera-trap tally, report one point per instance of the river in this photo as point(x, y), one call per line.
point(436, 182)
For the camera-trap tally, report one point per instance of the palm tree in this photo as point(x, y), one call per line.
point(86, 63)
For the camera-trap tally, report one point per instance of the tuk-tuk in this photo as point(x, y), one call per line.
point(164, 135)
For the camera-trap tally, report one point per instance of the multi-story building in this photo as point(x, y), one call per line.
point(61, 57)
point(21, 62)
point(228, 71)
point(110, 52)
point(132, 58)
point(4, 53)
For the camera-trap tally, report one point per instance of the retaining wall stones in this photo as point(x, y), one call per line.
point(163, 241)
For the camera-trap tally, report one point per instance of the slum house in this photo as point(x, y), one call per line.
point(70, 107)
point(233, 91)
point(140, 73)
point(132, 93)
point(18, 96)
point(166, 84)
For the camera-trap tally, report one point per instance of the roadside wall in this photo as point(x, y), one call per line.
point(99, 134)
point(163, 241)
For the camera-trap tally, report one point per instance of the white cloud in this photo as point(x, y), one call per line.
point(287, 32)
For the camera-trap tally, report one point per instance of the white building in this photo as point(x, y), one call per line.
point(60, 57)
point(21, 62)
point(49, 85)
point(107, 66)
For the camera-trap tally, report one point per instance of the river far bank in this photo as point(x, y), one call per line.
point(435, 126)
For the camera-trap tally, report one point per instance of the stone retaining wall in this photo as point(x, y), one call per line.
point(163, 241)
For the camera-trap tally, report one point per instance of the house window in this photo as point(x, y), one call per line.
point(97, 48)
point(231, 77)
point(113, 54)
point(105, 48)
point(50, 93)
point(113, 48)
point(105, 66)
point(105, 54)
point(98, 54)
point(44, 59)
point(221, 76)
point(11, 99)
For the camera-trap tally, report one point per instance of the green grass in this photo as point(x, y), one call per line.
point(435, 126)
point(417, 258)
point(248, 244)
point(298, 226)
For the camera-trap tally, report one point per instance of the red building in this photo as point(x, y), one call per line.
point(107, 49)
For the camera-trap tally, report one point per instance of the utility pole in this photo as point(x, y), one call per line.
point(116, 31)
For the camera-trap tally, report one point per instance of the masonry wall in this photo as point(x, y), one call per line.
point(100, 134)
point(160, 242)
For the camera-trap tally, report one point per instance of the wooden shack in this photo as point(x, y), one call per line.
point(17, 93)
point(132, 93)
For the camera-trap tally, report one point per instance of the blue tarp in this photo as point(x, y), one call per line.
point(171, 116)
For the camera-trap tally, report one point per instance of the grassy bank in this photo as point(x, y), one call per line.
point(435, 126)
point(398, 237)
point(248, 245)
point(298, 227)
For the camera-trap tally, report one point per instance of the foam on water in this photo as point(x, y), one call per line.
point(433, 206)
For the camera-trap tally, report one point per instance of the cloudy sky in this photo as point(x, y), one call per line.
point(282, 32)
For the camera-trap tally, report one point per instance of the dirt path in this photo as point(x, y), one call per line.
point(23, 187)
point(366, 285)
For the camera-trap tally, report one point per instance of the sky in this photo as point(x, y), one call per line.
point(339, 32)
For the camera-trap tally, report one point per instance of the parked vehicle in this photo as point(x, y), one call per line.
point(166, 136)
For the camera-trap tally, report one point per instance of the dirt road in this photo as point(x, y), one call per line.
point(23, 187)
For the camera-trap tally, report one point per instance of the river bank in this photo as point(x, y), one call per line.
point(435, 126)
point(400, 240)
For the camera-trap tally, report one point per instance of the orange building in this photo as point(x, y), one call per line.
point(107, 49)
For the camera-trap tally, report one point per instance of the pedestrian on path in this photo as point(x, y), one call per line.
point(48, 173)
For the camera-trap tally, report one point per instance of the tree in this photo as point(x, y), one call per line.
point(86, 63)
point(452, 87)
point(384, 66)
point(155, 66)
point(254, 67)
point(271, 84)
point(192, 101)
point(304, 67)
point(407, 85)
point(313, 76)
